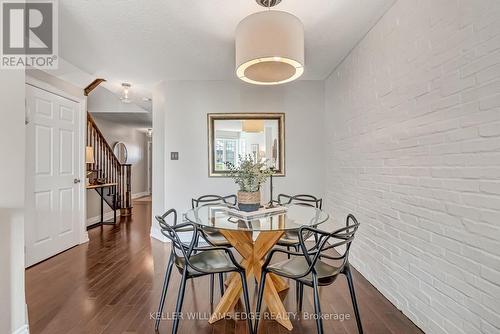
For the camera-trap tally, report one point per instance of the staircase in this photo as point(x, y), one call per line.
point(109, 170)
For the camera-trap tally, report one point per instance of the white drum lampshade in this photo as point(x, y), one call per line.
point(253, 125)
point(270, 48)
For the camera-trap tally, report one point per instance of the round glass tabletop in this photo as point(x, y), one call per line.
point(291, 217)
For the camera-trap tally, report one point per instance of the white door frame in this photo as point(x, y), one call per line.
point(150, 165)
point(83, 236)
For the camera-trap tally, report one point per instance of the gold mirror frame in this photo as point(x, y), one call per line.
point(212, 117)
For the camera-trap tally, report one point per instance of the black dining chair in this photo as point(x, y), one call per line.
point(213, 199)
point(303, 199)
point(212, 236)
point(207, 261)
point(291, 238)
point(307, 267)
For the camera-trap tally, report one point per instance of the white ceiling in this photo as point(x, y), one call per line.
point(102, 103)
point(146, 41)
point(103, 100)
point(139, 120)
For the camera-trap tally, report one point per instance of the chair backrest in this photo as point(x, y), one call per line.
point(162, 219)
point(178, 248)
point(213, 199)
point(182, 250)
point(302, 199)
point(341, 237)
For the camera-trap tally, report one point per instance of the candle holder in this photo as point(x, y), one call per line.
point(271, 202)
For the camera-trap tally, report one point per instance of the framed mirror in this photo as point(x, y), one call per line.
point(120, 151)
point(260, 135)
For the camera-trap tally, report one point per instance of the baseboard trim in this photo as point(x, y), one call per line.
point(85, 237)
point(24, 329)
point(144, 193)
point(156, 234)
point(107, 216)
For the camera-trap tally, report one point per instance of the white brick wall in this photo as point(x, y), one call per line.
point(413, 150)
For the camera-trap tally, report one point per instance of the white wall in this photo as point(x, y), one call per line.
point(413, 150)
point(180, 110)
point(136, 142)
point(12, 151)
point(158, 204)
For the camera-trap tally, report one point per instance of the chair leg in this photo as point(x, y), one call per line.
point(301, 296)
point(221, 284)
point(247, 301)
point(297, 293)
point(299, 290)
point(317, 307)
point(348, 275)
point(211, 289)
point(197, 239)
point(259, 299)
point(166, 280)
point(288, 249)
point(180, 300)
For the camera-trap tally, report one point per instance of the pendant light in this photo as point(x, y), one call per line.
point(269, 47)
point(253, 125)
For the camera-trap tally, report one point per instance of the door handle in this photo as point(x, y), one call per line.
point(75, 181)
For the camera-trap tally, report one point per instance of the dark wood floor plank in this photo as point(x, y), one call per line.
point(112, 285)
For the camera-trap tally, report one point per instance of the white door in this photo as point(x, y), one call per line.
point(52, 161)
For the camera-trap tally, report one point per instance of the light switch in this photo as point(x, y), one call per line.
point(174, 155)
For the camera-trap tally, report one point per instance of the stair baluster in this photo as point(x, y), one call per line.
point(108, 167)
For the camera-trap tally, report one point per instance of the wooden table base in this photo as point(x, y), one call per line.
point(253, 253)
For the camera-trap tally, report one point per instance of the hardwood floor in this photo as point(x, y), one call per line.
point(112, 285)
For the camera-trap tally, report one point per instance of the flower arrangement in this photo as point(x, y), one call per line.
point(249, 174)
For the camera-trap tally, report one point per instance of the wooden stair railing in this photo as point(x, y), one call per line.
point(108, 168)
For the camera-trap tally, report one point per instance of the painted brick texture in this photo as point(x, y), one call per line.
point(413, 150)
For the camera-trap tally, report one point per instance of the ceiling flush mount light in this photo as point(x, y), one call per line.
point(269, 47)
point(126, 86)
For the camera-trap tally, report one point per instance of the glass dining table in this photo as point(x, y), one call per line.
point(253, 238)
